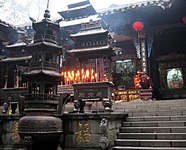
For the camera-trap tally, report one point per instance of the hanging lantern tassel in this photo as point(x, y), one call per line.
point(184, 20)
point(138, 25)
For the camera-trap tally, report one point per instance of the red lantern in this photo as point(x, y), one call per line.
point(184, 19)
point(138, 25)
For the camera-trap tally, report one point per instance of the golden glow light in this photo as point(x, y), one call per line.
point(88, 75)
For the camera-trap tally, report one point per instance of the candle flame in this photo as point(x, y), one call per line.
point(81, 75)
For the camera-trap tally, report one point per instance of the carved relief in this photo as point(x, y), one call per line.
point(104, 142)
point(82, 135)
point(15, 135)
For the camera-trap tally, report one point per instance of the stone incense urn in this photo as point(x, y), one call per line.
point(41, 127)
point(41, 132)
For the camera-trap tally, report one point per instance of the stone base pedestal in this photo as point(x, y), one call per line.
point(93, 92)
point(40, 132)
point(9, 137)
point(146, 94)
point(84, 130)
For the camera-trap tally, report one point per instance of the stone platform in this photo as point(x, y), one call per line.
point(85, 130)
point(149, 125)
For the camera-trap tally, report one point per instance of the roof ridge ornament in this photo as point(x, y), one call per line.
point(47, 12)
point(164, 4)
point(47, 4)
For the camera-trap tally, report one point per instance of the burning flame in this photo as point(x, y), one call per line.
point(77, 76)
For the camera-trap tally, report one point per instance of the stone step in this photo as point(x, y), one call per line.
point(2, 148)
point(153, 109)
point(155, 124)
point(152, 129)
point(150, 143)
point(151, 104)
point(157, 113)
point(156, 118)
point(147, 148)
point(150, 107)
point(9, 147)
point(158, 102)
point(160, 136)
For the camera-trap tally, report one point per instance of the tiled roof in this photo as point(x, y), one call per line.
point(79, 21)
point(15, 59)
point(16, 45)
point(6, 24)
point(77, 12)
point(89, 32)
point(47, 72)
point(9, 31)
point(45, 43)
point(123, 8)
point(90, 49)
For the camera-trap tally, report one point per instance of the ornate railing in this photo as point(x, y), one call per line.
point(45, 37)
point(41, 103)
point(44, 65)
point(47, 97)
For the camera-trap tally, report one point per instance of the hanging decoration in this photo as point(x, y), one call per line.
point(137, 46)
point(184, 20)
point(149, 43)
point(138, 25)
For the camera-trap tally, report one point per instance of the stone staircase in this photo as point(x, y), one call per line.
point(152, 125)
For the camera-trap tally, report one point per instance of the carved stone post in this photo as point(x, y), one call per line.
point(146, 87)
point(104, 142)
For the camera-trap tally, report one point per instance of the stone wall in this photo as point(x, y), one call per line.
point(9, 138)
point(82, 131)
